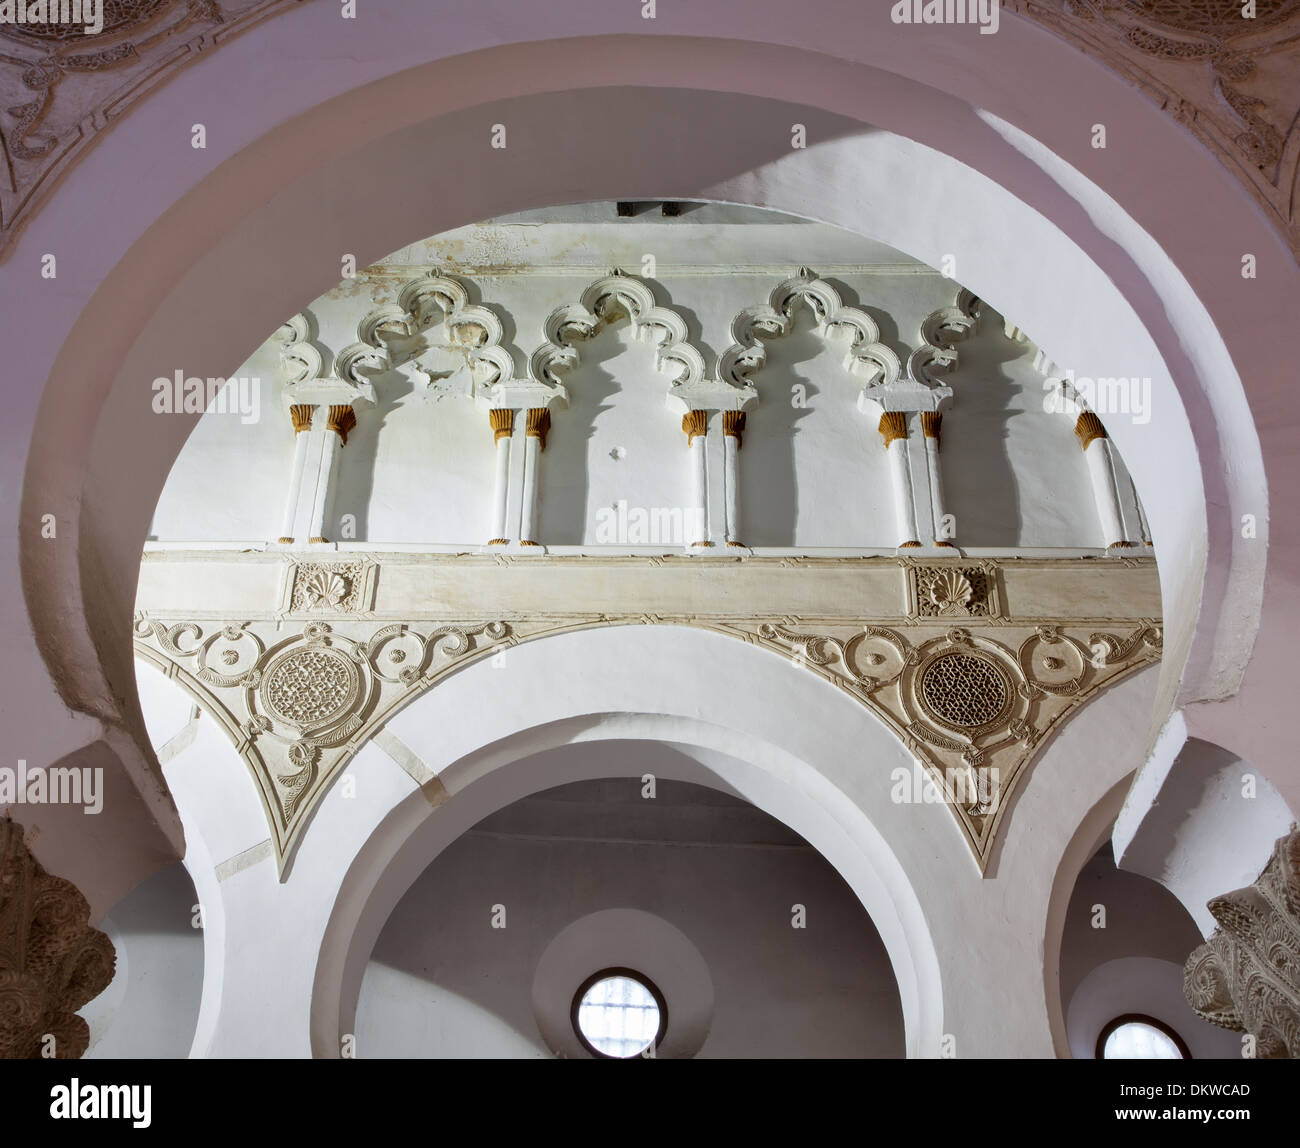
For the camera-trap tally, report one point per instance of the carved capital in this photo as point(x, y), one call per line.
point(930, 423)
point(300, 414)
point(1088, 428)
point(695, 423)
point(502, 421)
point(893, 424)
point(1246, 977)
point(342, 420)
point(538, 425)
point(51, 961)
point(733, 425)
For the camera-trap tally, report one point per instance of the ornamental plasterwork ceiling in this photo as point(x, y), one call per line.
point(972, 664)
point(1228, 80)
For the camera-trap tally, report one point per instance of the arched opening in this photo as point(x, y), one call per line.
point(751, 944)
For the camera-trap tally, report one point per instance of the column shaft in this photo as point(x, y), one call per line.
point(1101, 472)
point(342, 419)
point(301, 414)
point(538, 423)
point(930, 424)
point(503, 426)
point(696, 426)
point(733, 426)
point(893, 430)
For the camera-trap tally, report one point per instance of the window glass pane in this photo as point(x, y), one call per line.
point(619, 1016)
point(1134, 1040)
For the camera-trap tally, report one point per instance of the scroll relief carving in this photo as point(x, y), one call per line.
point(973, 707)
point(298, 707)
point(298, 695)
point(51, 961)
point(447, 346)
point(1246, 977)
point(620, 295)
point(866, 357)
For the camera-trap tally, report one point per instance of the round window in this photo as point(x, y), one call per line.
point(619, 1015)
point(1140, 1038)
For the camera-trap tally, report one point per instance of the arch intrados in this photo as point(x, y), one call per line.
point(128, 321)
point(501, 772)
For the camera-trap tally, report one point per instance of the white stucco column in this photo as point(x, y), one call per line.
point(503, 428)
point(301, 414)
point(893, 430)
point(696, 425)
point(342, 419)
point(733, 426)
point(1101, 472)
point(538, 423)
point(930, 424)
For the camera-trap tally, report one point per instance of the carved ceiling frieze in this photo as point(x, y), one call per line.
point(1228, 78)
point(972, 689)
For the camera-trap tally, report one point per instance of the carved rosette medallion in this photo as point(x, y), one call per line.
point(297, 709)
point(962, 691)
point(309, 688)
point(972, 708)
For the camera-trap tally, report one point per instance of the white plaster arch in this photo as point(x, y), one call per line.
point(456, 755)
point(1101, 252)
point(680, 694)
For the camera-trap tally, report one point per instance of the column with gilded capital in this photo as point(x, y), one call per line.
point(502, 420)
point(341, 422)
point(695, 424)
point(537, 424)
point(733, 427)
point(300, 414)
point(1101, 471)
point(893, 432)
point(930, 424)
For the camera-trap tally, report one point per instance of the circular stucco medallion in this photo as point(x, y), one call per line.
point(964, 690)
point(310, 687)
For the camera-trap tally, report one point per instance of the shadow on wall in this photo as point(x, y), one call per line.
point(988, 512)
point(443, 981)
point(1126, 938)
point(641, 456)
point(152, 1006)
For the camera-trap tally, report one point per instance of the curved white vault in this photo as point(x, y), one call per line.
point(1101, 273)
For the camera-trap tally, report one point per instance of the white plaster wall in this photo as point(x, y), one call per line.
point(1143, 985)
point(418, 469)
point(1133, 963)
point(1201, 821)
point(150, 1009)
point(443, 983)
